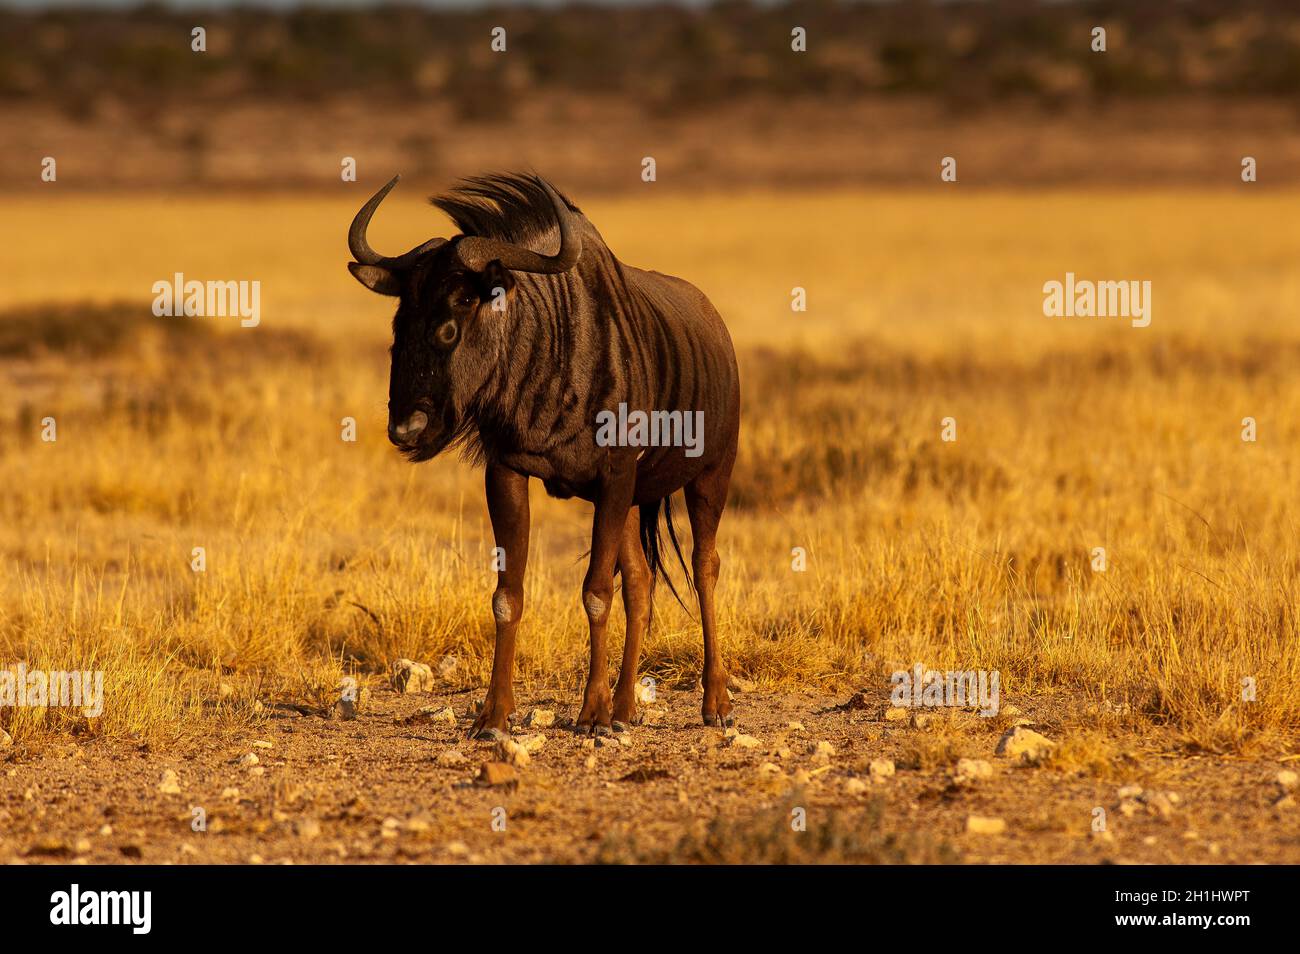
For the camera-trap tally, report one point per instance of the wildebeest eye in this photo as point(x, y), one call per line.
point(447, 332)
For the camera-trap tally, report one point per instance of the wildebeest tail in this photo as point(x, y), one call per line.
point(652, 544)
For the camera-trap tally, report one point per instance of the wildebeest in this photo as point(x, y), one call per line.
point(509, 342)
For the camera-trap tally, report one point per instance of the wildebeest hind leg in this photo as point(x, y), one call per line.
point(706, 496)
point(636, 603)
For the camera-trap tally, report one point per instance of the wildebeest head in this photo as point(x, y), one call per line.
point(452, 308)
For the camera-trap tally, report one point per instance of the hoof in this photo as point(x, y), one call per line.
point(491, 735)
point(621, 727)
point(720, 721)
point(594, 728)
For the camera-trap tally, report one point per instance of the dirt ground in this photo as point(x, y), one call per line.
point(386, 786)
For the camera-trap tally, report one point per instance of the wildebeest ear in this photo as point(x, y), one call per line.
point(495, 283)
point(377, 279)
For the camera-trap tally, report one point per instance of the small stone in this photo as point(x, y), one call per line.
point(439, 715)
point(982, 825)
point(896, 714)
point(81, 846)
point(248, 761)
point(854, 786)
point(494, 774)
point(769, 768)
point(409, 676)
point(512, 752)
point(1158, 803)
point(1287, 779)
point(1024, 744)
point(458, 848)
point(795, 727)
point(1010, 712)
point(307, 828)
point(259, 744)
point(653, 717)
point(970, 771)
point(452, 758)
point(447, 666)
point(1286, 801)
point(105, 831)
point(345, 710)
point(645, 692)
point(741, 684)
point(257, 771)
point(742, 741)
point(540, 719)
point(821, 751)
point(532, 743)
point(170, 783)
point(230, 793)
point(1129, 791)
point(880, 769)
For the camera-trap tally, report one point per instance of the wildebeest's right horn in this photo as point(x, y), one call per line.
point(360, 248)
point(475, 251)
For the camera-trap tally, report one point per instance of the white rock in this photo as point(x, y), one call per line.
point(742, 741)
point(854, 786)
point(532, 743)
point(981, 825)
point(512, 753)
point(821, 751)
point(969, 771)
point(249, 760)
point(540, 719)
point(1287, 779)
point(259, 744)
point(1024, 744)
point(881, 769)
point(169, 784)
point(452, 758)
point(896, 714)
point(795, 727)
point(409, 676)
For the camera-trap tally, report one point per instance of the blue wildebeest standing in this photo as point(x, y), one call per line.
point(509, 341)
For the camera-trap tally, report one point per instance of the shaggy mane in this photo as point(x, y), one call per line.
point(513, 207)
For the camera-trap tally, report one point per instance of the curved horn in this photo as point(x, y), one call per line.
point(360, 247)
point(475, 252)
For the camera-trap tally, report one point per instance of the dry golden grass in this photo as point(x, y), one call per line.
point(325, 556)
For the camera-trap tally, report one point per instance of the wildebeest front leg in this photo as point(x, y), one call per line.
point(612, 502)
point(634, 569)
point(507, 496)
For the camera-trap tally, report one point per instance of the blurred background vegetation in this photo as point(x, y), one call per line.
point(669, 57)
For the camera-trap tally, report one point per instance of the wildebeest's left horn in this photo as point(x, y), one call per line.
point(475, 251)
point(360, 247)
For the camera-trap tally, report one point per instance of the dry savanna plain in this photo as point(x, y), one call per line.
point(1168, 683)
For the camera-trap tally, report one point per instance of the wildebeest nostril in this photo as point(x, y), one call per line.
point(409, 429)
